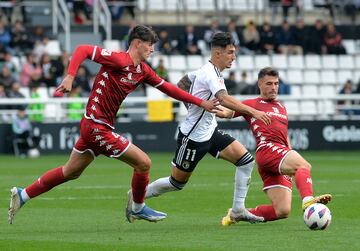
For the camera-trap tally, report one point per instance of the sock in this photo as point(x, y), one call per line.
point(46, 182)
point(303, 182)
point(161, 186)
point(266, 211)
point(139, 183)
point(242, 180)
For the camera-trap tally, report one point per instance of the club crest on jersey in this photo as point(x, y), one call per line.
point(221, 81)
point(185, 164)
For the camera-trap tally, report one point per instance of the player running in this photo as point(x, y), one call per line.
point(120, 74)
point(277, 162)
point(199, 134)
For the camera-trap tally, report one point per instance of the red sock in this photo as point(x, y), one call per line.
point(266, 211)
point(139, 183)
point(46, 182)
point(303, 182)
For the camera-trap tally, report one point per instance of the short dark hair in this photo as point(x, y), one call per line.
point(143, 33)
point(221, 39)
point(267, 71)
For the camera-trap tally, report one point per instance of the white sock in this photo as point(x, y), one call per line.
point(241, 187)
point(307, 198)
point(136, 207)
point(159, 187)
point(24, 196)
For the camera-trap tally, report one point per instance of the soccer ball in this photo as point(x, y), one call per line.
point(33, 153)
point(317, 216)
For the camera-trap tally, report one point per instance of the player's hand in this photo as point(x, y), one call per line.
point(210, 105)
point(262, 116)
point(223, 112)
point(66, 84)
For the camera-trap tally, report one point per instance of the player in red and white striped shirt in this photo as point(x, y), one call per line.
point(120, 74)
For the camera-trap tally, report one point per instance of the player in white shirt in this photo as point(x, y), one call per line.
point(198, 133)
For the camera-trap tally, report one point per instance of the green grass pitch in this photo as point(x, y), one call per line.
point(88, 213)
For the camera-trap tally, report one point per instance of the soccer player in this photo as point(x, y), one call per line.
point(277, 162)
point(120, 74)
point(198, 133)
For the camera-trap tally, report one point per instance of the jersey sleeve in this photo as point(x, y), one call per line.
point(151, 77)
point(248, 102)
point(96, 54)
point(215, 83)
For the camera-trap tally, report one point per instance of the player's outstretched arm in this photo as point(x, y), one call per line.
point(185, 84)
point(232, 103)
point(177, 93)
point(224, 112)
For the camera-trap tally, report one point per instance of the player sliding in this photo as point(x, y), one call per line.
point(277, 162)
point(120, 74)
point(199, 134)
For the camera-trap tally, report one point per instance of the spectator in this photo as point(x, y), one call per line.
point(267, 39)
point(162, 71)
point(118, 8)
point(333, 41)
point(4, 118)
point(316, 38)
point(15, 93)
point(286, 5)
point(5, 37)
point(274, 5)
point(37, 109)
point(82, 11)
point(345, 105)
point(20, 40)
point(82, 79)
point(188, 42)
point(209, 33)
point(327, 4)
point(231, 27)
point(29, 68)
point(6, 78)
point(286, 40)
point(300, 35)
point(14, 68)
point(48, 71)
point(251, 36)
point(284, 88)
point(243, 83)
point(231, 84)
point(24, 139)
point(164, 44)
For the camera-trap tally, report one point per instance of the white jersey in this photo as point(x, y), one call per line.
point(199, 125)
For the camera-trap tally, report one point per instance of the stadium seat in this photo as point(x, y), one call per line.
point(194, 62)
point(279, 61)
point(206, 5)
point(156, 5)
point(25, 91)
point(329, 62)
point(312, 62)
point(154, 60)
point(295, 76)
point(327, 90)
point(245, 62)
point(344, 75)
point(175, 76)
point(308, 107)
point(112, 45)
point(308, 5)
point(52, 47)
point(328, 77)
point(191, 5)
point(357, 61)
point(292, 107)
point(154, 94)
point(296, 61)
point(310, 91)
point(262, 61)
point(350, 46)
point(311, 77)
point(296, 91)
point(43, 93)
point(178, 62)
point(346, 62)
point(327, 107)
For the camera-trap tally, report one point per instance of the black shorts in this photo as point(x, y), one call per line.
point(189, 152)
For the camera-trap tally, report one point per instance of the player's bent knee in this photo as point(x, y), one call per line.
point(143, 165)
point(283, 212)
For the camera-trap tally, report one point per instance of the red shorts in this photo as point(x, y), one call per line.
point(269, 157)
point(100, 139)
